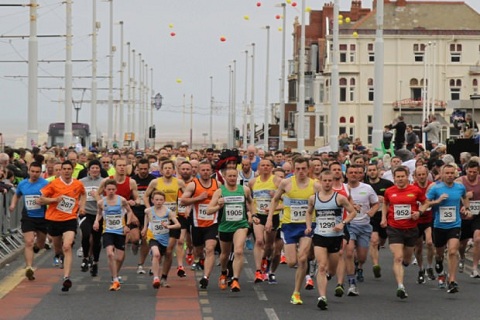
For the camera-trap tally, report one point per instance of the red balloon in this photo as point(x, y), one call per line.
point(259, 4)
point(223, 39)
point(277, 16)
point(294, 4)
point(173, 34)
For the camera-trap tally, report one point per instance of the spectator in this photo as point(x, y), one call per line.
point(400, 128)
point(411, 138)
point(387, 137)
point(432, 128)
point(465, 124)
point(343, 140)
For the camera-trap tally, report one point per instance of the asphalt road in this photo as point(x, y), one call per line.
point(89, 297)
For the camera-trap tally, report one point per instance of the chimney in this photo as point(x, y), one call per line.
point(401, 3)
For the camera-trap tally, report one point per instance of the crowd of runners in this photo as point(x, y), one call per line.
point(323, 214)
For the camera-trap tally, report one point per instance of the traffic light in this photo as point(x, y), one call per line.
point(151, 132)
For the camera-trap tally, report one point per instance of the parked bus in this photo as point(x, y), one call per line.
point(80, 133)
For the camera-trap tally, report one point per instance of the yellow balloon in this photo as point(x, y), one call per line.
point(289, 1)
point(340, 22)
point(308, 9)
point(179, 80)
point(246, 17)
point(355, 34)
point(170, 25)
point(340, 17)
point(280, 29)
point(347, 20)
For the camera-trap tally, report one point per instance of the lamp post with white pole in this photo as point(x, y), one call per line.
point(68, 134)
point(267, 106)
point(377, 133)
point(32, 131)
point(252, 99)
point(245, 103)
point(334, 82)
point(93, 110)
point(301, 86)
point(110, 81)
point(281, 144)
point(121, 128)
point(211, 112)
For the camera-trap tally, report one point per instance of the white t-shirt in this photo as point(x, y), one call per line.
point(363, 195)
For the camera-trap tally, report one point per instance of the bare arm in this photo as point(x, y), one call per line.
point(216, 203)
point(309, 215)
point(148, 192)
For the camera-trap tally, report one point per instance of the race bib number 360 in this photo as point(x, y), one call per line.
point(113, 222)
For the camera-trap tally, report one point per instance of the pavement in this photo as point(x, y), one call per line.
point(89, 298)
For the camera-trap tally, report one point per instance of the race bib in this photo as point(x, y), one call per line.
point(325, 223)
point(172, 206)
point(113, 222)
point(91, 192)
point(262, 204)
point(31, 202)
point(140, 197)
point(66, 205)
point(233, 212)
point(448, 214)
point(297, 213)
point(202, 213)
point(157, 227)
point(402, 211)
point(182, 209)
point(475, 207)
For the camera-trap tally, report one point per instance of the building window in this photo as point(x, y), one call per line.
point(343, 120)
point(455, 52)
point(343, 53)
point(371, 90)
point(321, 93)
point(352, 53)
point(418, 52)
point(371, 53)
point(352, 89)
point(327, 90)
point(455, 88)
point(343, 90)
point(475, 85)
point(415, 90)
point(370, 129)
point(322, 126)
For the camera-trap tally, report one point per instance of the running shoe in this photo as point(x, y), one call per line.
point(204, 283)
point(222, 282)
point(295, 299)
point(329, 277)
point(201, 263)
point(360, 277)
point(430, 274)
point(195, 266)
point(339, 290)
point(421, 277)
point(189, 259)
point(461, 265)
point(181, 272)
point(272, 279)
point(56, 261)
point(84, 265)
point(140, 269)
point(283, 259)
point(322, 303)
point(60, 261)
point(452, 287)
point(439, 267)
point(67, 284)
point(309, 285)
point(80, 252)
point(115, 286)
point(353, 291)
point(164, 283)
point(415, 262)
point(120, 279)
point(401, 293)
point(235, 286)
point(94, 270)
point(156, 283)
point(30, 274)
point(36, 249)
point(377, 271)
point(441, 281)
point(249, 243)
point(258, 277)
point(475, 274)
point(263, 266)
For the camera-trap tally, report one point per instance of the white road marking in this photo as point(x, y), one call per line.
point(271, 314)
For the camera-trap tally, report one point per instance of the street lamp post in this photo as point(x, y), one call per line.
point(267, 107)
point(301, 86)
point(32, 115)
point(211, 112)
point(281, 144)
point(252, 99)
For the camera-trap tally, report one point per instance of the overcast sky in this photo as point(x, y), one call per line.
point(193, 55)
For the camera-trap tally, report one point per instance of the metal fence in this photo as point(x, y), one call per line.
point(11, 234)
